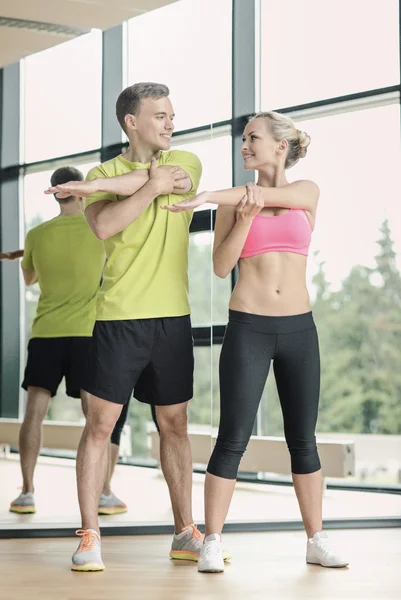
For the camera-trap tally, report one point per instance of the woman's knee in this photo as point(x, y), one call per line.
point(304, 456)
point(226, 457)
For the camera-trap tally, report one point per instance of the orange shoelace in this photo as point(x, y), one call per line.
point(196, 534)
point(88, 541)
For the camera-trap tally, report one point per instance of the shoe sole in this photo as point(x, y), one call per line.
point(310, 562)
point(111, 511)
point(23, 510)
point(88, 567)
point(211, 571)
point(180, 555)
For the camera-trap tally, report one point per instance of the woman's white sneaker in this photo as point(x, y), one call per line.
point(319, 552)
point(211, 558)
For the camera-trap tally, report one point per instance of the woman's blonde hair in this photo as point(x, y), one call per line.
point(283, 128)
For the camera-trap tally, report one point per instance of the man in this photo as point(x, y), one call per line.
point(67, 261)
point(142, 337)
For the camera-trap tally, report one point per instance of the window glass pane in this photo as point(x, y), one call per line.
point(205, 391)
point(354, 277)
point(37, 209)
point(192, 56)
point(312, 50)
point(62, 105)
point(209, 295)
point(215, 156)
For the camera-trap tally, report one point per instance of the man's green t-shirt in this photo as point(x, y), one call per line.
point(146, 275)
point(69, 261)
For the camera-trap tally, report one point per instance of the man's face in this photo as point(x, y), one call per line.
point(153, 123)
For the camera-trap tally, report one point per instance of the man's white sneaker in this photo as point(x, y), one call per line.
point(319, 552)
point(211, 555)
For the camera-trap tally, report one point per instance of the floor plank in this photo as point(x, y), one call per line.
point(264, 565)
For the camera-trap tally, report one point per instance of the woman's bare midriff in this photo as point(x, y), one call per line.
point(272, 284)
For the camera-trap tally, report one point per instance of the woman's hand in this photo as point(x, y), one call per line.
point(251, 204)
point(189, 204)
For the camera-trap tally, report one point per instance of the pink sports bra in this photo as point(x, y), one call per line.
point(288, 232)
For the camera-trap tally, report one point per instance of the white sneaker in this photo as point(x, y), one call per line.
point(211, 558)
point(319, 552)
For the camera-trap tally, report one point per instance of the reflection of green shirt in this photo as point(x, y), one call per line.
point(68, 260)
point(146, 275)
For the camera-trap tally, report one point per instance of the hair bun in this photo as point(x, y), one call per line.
point(304, 141)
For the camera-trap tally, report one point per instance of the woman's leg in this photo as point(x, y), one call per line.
point(244, 366)
point(297, 372)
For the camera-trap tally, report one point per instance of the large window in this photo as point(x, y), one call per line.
point(312, 50)
point(187, 46)
point(62, 103)
point(355, 283)
point(306, 51)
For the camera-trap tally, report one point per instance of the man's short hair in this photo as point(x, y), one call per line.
point(129, 100)
point(64, 175)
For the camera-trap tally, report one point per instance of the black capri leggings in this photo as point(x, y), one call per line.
point(118, 427)
point(250, 343)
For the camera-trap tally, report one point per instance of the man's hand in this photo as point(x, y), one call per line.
point(74, 188)
point(165, 178)
point(11, 255)
point(182, 179)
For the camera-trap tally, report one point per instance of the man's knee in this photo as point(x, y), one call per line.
point(173, 420)
point(101, 419)
point(37, 405)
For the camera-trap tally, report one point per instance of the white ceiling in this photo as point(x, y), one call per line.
point(16, 42)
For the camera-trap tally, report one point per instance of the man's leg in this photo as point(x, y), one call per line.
point(85, 399)
point(115, 448)
point(30, 436)
point(176, 460)
point(113, 453)
point(92, 457)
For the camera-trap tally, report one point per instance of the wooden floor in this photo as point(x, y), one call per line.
point(264, 566)
point(57, 503)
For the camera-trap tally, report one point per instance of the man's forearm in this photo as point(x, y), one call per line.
point(124, 185)
point(113, 217)
point(11, 255)
point(30, 277)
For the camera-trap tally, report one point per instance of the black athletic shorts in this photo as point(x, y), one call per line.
point(153, 357)
point(51, 359)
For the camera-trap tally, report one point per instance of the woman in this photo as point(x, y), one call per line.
point(267, 228)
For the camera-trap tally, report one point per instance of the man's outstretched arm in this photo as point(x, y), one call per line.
point(11, 255)
point(121, 185)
